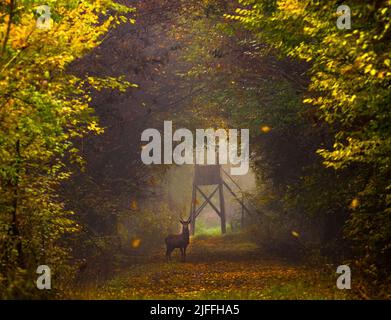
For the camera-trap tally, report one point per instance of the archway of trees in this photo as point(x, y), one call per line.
point(76, 97)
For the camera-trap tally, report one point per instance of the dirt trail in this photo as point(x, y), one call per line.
point(217, 267)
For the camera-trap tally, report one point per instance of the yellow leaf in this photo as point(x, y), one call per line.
point(355, 203)
point(136, 243)
point(134, 205)
point(295, 234)
point(265, 129)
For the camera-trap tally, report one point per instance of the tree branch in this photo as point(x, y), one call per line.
point(7, 33)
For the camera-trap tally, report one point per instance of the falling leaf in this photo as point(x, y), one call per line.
point(355, 203)
point(152, 181)
point(265, 129)
point(134, 205)
point(136, 243)
point(295, 234)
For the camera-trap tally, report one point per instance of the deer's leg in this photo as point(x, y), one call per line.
point(184, 254)
point(181, 252)
point(168, 254)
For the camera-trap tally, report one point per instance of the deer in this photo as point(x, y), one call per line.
point(180, 241)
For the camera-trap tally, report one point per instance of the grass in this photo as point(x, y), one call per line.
point(218, 267)
point(207, 232)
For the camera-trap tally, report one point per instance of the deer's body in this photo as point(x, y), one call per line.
point(180, 241)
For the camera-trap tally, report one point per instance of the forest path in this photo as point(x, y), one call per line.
point(218, 267)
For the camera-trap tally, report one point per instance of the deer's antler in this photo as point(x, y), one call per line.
point(184, 221)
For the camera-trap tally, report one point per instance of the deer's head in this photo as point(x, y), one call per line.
point(185, 225)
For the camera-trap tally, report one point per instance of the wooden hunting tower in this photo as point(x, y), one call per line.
point(207, 175)
point(211, 175)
